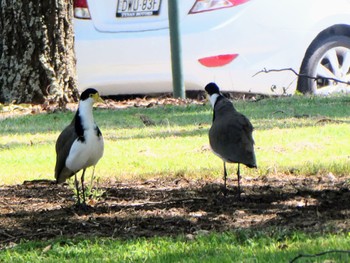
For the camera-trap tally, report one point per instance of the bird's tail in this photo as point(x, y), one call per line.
point(63, 175)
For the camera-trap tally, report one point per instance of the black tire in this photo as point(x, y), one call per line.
point(316, 56)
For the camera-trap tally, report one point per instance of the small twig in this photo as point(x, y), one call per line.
point(301, 75)
point(319, 254)
point(279, 111)
point(7, 235)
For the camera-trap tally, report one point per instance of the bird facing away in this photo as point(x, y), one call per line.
point(80, 145)
point(230, 135)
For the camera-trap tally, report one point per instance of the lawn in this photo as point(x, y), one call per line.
point(299, 134)
point(302, 138)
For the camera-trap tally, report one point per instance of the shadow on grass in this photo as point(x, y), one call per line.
point(174, 207)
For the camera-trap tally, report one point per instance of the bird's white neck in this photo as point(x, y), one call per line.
point(85, 113)
point(213, 99)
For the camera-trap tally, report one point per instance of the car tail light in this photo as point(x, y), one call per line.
point(217, 61)
point(81, 9)
point(210, 5)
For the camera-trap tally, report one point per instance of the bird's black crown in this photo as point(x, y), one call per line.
point(212, 88)
point(87, 93)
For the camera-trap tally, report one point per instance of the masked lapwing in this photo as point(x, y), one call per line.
point(80, 145)
point(230, 135)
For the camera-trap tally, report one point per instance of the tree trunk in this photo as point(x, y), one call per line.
point(37, 59)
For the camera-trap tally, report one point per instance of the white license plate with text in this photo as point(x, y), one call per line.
point(137, 8)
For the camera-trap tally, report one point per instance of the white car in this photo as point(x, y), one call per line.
point(123, 46)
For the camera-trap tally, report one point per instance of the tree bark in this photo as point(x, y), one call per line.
point(37, 58)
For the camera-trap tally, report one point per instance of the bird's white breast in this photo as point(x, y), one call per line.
point(87, 153)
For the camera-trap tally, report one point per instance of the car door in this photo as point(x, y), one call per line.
point(133, 43)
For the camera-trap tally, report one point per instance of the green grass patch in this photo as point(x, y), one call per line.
point(303, 135)
point(236, 246)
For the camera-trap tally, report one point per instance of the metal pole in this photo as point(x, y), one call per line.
point(175, 45)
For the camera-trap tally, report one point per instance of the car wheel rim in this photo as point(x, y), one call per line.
point(334, 64)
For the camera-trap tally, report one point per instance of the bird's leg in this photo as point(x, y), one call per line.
point(225, 176)
point(82, 185)
point(239, 179)
point(92, 178)
point(77, 188)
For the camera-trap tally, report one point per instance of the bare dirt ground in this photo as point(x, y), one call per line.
point(168, 207)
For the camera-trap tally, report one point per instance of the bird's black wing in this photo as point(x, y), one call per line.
point(98, 131)
point(247, 142)
point(247, 128)
point(231, 138)
point(63, 145)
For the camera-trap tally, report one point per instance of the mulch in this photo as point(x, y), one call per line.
point(42, 210)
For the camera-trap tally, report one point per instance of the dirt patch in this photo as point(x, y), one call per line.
point(159, 207)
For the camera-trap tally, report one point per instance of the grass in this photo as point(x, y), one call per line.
point(301, 135)
point(305, 135)
point(236, 246)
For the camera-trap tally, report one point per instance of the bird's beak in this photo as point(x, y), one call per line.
point(97, 98)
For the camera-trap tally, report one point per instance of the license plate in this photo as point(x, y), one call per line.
point(136, 8)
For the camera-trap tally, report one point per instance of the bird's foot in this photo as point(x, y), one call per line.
point(227, 192)
point(83, 207)
point(223, 189)
point(241, 195)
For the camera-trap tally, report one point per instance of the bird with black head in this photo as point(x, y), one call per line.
point(80, 145)
point(230, 135)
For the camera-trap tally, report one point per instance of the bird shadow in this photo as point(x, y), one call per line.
point(173, 207)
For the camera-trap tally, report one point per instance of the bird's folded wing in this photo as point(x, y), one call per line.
point(63, 145)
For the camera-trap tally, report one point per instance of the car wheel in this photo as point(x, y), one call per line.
point(326, 60)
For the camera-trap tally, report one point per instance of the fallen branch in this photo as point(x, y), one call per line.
point(301, 75)
point(319, 254)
